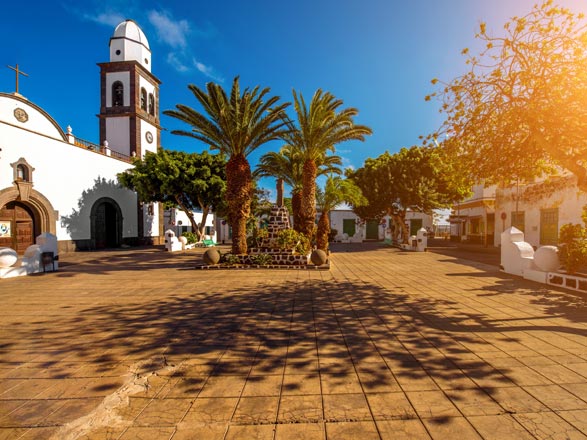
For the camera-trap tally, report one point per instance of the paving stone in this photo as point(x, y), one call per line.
point(500, 427)
point(364, 430)
point(411, 429)
point(364, 350)
point(300, 431)
point(300, 409)
point(257, 432)
point(256, 410)
point(450, 427)
point(548, 425)
point(345, 407)
point(391, 406)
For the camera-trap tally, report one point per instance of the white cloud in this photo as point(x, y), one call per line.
point(176, 63)
point(109, 18)
point(170, 31)
point(207, 71)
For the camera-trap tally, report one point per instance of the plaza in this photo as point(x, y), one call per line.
point(135, 343)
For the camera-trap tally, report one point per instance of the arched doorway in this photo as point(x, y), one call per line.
point(106, 224)
point(19, 226)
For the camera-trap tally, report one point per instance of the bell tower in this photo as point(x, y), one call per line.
point(129, 94)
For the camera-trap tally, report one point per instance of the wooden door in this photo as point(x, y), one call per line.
point(372, 232)
point(21, 224)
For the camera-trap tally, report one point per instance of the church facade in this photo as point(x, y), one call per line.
point(51, 181)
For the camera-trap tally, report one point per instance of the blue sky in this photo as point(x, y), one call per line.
point(376, 55)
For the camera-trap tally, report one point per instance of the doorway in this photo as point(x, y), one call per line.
point(106, 225)
point(18, 227)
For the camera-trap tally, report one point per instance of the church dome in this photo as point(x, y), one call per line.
point(129, 43)
point(130, 30)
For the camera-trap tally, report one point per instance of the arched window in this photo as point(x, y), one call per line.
point(151, 104)
point(22, 173)
point(117, 94)
point(143, 99)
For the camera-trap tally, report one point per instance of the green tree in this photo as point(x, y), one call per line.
point(319, 128)
point(287, 164)
point(187, 180)
point(337, 190)
point(418, 179)
point(235, 125)
point(521, 109)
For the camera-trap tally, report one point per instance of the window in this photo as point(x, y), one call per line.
point(348, 226)
point(518, 220)
point(549, 226)
point(117, 94)
point(22, 173)
point(151, 104)
point(143, 99)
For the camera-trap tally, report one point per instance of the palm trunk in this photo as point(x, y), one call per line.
point(238, 198)
point(296, 207)
point(308, 210)
point(322, 233)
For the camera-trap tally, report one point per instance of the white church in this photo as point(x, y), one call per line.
point(52, 182)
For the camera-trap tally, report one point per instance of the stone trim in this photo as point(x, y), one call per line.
point(42, 209)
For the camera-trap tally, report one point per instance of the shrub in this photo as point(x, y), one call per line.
point(191, 237)
point(290, 239)
point(261, 259)
point(573, 247)
point(230, 259)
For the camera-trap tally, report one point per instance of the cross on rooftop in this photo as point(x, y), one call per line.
point(17, 72)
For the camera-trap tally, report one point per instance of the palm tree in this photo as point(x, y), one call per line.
point(236, 126)
point(287, 165)
point(336, 191)
point(319, 128)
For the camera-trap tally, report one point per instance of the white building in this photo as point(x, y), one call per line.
point(52, 182)
point(473, 219)
point(540, 209)
point(178, 221)
point(345, 221)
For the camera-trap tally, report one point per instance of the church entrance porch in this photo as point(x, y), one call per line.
point(106, 224)
point(18, 226)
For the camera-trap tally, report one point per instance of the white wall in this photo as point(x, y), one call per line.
point(117, 134)
point(37, 120)
point(568, 199)
point(72, 178)
point(146, 146)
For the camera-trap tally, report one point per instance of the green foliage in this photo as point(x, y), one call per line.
point(320, 126)
point(289, 239)
point(176, 178)
point(230, 259)
point(417, 178)
point(236, 124)
point(521, 109)
point(261, 259)
point(573, 247)
point(191, 237)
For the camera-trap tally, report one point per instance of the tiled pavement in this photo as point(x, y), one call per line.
point(135, 344)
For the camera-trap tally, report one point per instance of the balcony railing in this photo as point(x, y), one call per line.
point(101, 150)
